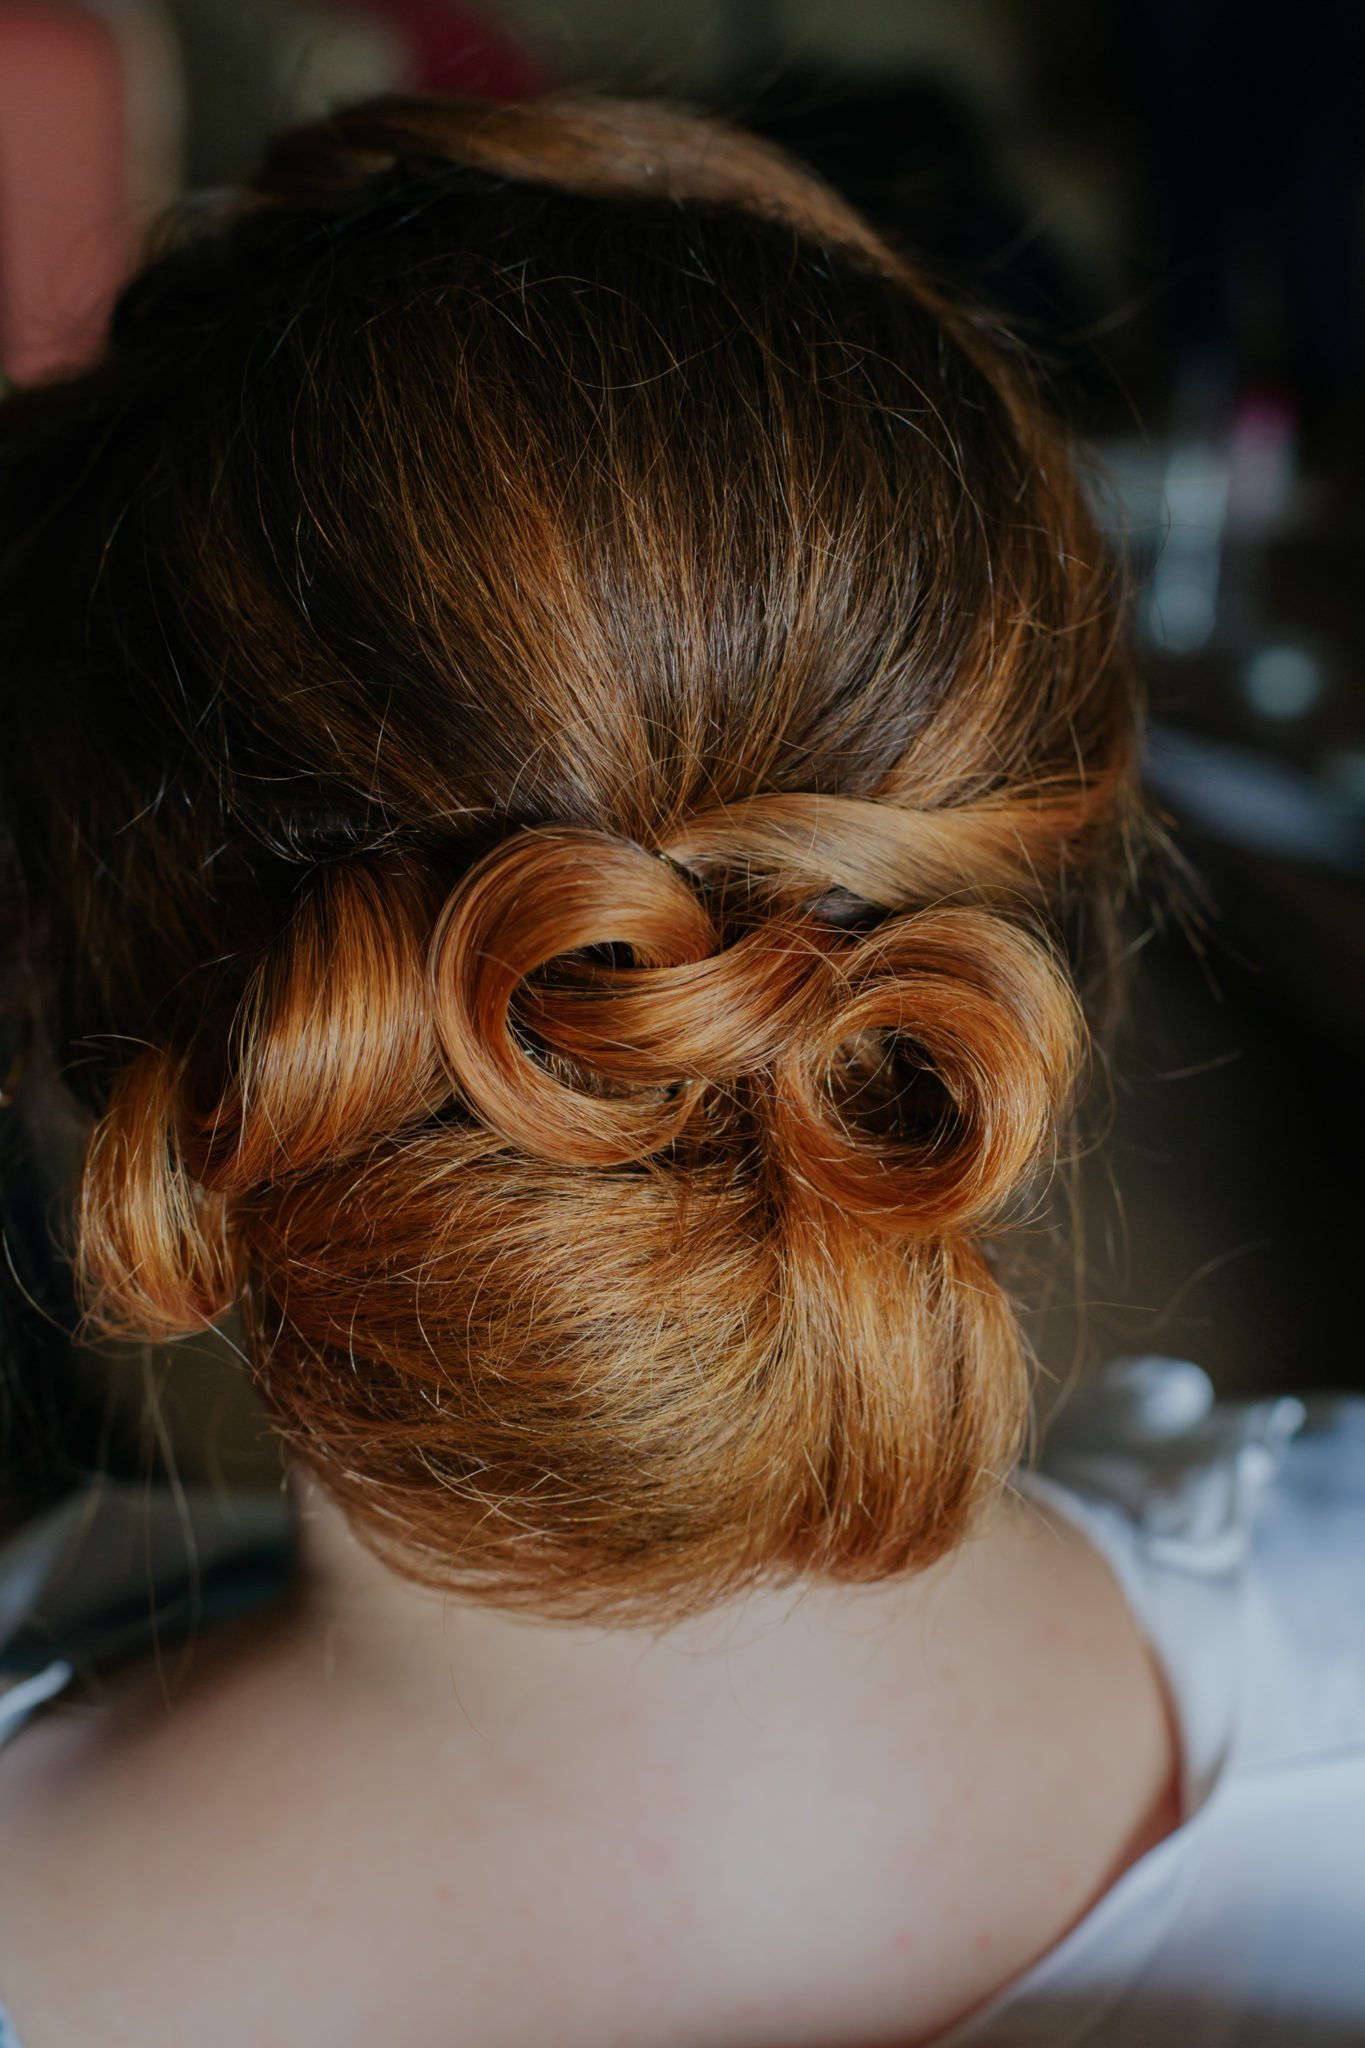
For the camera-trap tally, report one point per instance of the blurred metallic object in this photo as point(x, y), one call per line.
point(1255, 802)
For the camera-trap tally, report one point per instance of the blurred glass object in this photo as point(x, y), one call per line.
point(1251, 800)
point(1283, 681)
point(1182, 605)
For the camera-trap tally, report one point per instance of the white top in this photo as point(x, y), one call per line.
point(1238, 1537)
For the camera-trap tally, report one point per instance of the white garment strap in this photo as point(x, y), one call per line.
point(22, 1699)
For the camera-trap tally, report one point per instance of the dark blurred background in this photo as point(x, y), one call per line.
point(1164, 198)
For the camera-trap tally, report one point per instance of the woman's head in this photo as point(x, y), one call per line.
point(570, 732)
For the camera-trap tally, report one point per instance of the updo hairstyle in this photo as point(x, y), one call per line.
point(565, 716)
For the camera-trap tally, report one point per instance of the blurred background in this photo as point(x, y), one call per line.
point(1164, 198)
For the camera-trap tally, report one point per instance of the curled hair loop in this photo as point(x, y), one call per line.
point(982, 1012)
point(541, 896)
point(332, 1044)
point(153, 1247)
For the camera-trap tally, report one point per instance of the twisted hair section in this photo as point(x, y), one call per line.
point(572, 711)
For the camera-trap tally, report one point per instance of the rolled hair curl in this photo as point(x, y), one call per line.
point(640, 814)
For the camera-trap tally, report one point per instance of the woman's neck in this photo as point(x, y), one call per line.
point(1025, 1611)
point(387, 1630)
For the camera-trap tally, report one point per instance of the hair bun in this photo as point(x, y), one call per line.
point(913, 1075)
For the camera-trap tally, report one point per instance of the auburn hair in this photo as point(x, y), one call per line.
point(568, 716)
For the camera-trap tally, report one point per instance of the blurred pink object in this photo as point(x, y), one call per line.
point(1262, 455)
point(457, 49)
point(65, 229)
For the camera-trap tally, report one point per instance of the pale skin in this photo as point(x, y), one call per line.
point(817, 1819)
